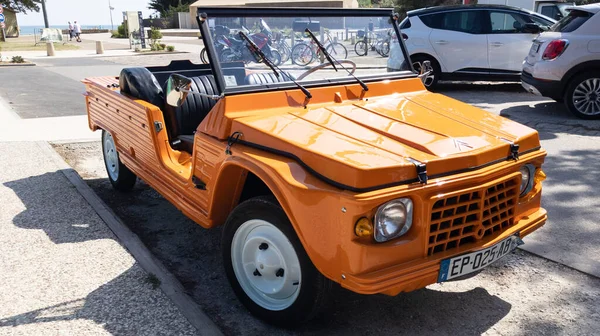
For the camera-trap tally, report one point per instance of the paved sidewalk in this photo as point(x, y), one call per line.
point(62, 270)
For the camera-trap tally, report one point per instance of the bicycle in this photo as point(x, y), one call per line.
point(282, 46)
point(305, 53)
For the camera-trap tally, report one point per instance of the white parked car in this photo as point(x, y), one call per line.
point(469, 42)
point(564, 63)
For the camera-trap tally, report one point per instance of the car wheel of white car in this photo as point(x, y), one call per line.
point(119, 176)
point(267, 266)
point(431, 80)
point(583, 95)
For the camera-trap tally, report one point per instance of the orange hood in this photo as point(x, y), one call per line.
point(365, 145)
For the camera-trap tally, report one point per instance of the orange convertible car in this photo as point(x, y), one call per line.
point(341, 170)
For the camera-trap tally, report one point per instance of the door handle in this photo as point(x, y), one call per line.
point(497, 44)
point(441, 42)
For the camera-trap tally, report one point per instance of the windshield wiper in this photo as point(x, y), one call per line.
point(331, 59)
point(255, 49)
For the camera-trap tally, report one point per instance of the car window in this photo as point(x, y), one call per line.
point(405, 24)
point(506, 23)
point(513, 23)
point(571, 22)
point(461, 21)
point(550, 11)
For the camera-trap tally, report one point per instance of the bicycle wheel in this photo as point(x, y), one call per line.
point(284, 50)
point(383, 49)
point(337, 50)
point(302, 54)
point(360, 48)
point(203, 56)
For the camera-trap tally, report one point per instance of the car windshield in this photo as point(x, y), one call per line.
point(571, 22)
point(359, 43)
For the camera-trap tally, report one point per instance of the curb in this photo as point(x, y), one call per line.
point(8, 65)
point(169, 284)
point(584, 265)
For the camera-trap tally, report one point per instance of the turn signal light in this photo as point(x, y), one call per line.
point(555, 49)
point(540, 176)
point(363, 228)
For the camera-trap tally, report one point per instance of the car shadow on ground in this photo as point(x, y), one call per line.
point(119, 305)
point(193, 255)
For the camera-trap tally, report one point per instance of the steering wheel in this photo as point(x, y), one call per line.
point(324, 65)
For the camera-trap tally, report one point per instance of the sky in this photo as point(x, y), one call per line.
point(86, 12)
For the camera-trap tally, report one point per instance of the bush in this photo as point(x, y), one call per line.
point(17, 59)
point(121, 32)
point(155, 33)
point(170, 48)
point(163, 46)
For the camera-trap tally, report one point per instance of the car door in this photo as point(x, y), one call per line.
point(458, 38)
point(508, 45)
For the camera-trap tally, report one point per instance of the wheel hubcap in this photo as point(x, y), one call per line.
point(111, 157)
point(586, 97)
point(266, 265)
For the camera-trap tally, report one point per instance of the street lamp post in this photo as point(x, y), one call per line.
point(45, 14)
point(111, 8)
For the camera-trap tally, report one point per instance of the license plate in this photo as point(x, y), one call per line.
point(472, 262)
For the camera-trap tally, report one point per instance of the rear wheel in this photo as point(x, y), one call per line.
point(582, 96)
point(432, 79)
point(267, 266)
point(361, 48)
point(275, 57)
point(119, 176)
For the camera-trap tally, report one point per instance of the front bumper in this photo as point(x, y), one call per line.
point(418, 274)
point(545, 88)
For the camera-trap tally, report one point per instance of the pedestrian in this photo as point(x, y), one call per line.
point(70, 31)
point(77, 28)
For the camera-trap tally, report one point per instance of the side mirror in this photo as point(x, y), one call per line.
point(532, 28)
point(178, 87)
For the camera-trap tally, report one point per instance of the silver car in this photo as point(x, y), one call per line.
point(564, 62)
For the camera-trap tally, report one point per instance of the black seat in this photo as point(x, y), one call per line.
point(183, 121)
point(267, 78)
point(140, 83)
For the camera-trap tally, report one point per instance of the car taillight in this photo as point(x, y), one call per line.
point(555, 49)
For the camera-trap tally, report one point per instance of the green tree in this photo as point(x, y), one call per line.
point(22, 5)
point(166, 7)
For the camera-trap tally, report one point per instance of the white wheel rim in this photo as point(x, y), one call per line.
point(266, 265)
point(111, 157)
point(586, 97)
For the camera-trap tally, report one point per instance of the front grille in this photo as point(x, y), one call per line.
point(465, 218)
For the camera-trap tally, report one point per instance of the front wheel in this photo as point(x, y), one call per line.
point(119, 176)
point(267, 266)
point(275, 57)
point(302, 54)
point(337, 50)
point(582, 96)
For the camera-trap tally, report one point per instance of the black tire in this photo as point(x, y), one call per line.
point(275, 57)
point(302, 54)
point(582, 96)
point(124, 179)
point(337, 50)
point(361, 48)
point(314, 287)
point(432, 80)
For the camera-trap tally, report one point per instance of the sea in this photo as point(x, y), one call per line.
point(29, 30)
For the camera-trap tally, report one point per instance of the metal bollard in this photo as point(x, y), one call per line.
point(99, 47)
point(353, 39)
point(50, 48)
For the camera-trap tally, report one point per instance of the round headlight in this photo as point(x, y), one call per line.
point(527, 174)
point(393, 219)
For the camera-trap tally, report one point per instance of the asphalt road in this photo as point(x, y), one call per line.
point(522, 294)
